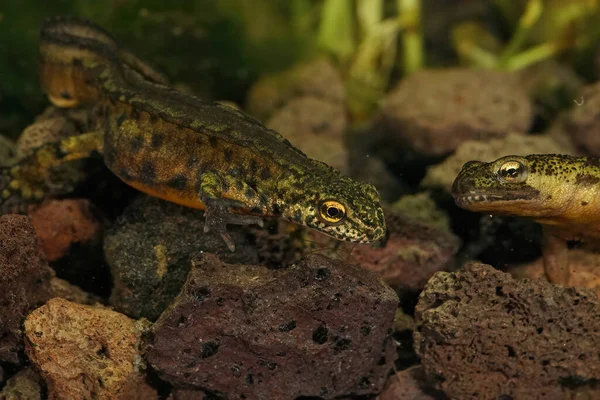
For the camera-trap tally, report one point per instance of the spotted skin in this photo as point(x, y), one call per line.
point(176, 147)
point(560, 192)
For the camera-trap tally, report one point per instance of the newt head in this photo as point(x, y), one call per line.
point(341, 208)
point(539, 186)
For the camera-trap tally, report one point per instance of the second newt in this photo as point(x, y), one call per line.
point(560, 192)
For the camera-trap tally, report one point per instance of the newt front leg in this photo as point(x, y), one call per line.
point(221, 203)
point(556, 259)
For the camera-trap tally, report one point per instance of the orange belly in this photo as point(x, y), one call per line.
point(169, 194)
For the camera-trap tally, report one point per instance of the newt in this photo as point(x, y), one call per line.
point(179, 148)
point(560, 192)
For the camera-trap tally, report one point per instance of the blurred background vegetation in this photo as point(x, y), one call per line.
point(217, 48)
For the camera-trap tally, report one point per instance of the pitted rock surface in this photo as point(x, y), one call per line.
point(413, 252)
point(86, 352)
point(318, 328)
point(149, 251)
point(482, 334)
point(24, 281)
point(433, 111)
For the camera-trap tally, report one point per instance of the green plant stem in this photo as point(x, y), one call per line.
point(412, 36)
point(528, 19)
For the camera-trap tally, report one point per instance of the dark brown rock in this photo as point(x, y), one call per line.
point(433, 111)
point(581, 122)
point(60, 224)
point(409, 384)
point(413, 252)
point(24, 281)
point(149, 251)
point(87, 352)
point(483, 334)
point(318, 328)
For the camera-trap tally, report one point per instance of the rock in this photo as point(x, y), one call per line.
point(87, 352)
point(24, 281)
point(483, 334)
point(318, 328)
point(61, 224)
point(432, 112)
point(409, 384)
point(71, 237)
point(65, 290)
point(553, 86)
point(581, 121)
point(316, 126)
point(413, 252)
point(443, 174)
point(149, 250)
point(318, 78)
point(7, 151)
point(584, 266)
point(24, 385)
point(366, 166)
point(422, 208)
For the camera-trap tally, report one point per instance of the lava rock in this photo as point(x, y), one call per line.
point(24, 281)
point(87, 351)
point(318, 78)
point(433, 111)
point(581, 122)
point(318, 328)
point(409, 384)
point(421, 207)
point(60, 224)
point(24, 385)
point(442, 175)
point(149, 251)
point(413, 252)
point(483, 334)
point(316, 126)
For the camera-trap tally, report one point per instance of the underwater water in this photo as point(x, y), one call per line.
point(299, 199)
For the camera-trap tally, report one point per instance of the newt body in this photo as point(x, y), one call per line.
point(176, 147)
point(558, 191)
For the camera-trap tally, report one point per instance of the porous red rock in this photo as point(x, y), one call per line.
point(433, 111)
point(413, 252)
point(482, 334)
point(87, 352)
point(318, 328)
point(24, 281)
point(60, 224)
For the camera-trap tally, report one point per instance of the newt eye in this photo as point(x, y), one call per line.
point(332, 211)
point(513, 171)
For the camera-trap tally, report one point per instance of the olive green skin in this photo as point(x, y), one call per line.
point(176, 146)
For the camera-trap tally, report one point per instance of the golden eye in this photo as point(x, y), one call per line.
point(513, 171)
point(332, 211)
